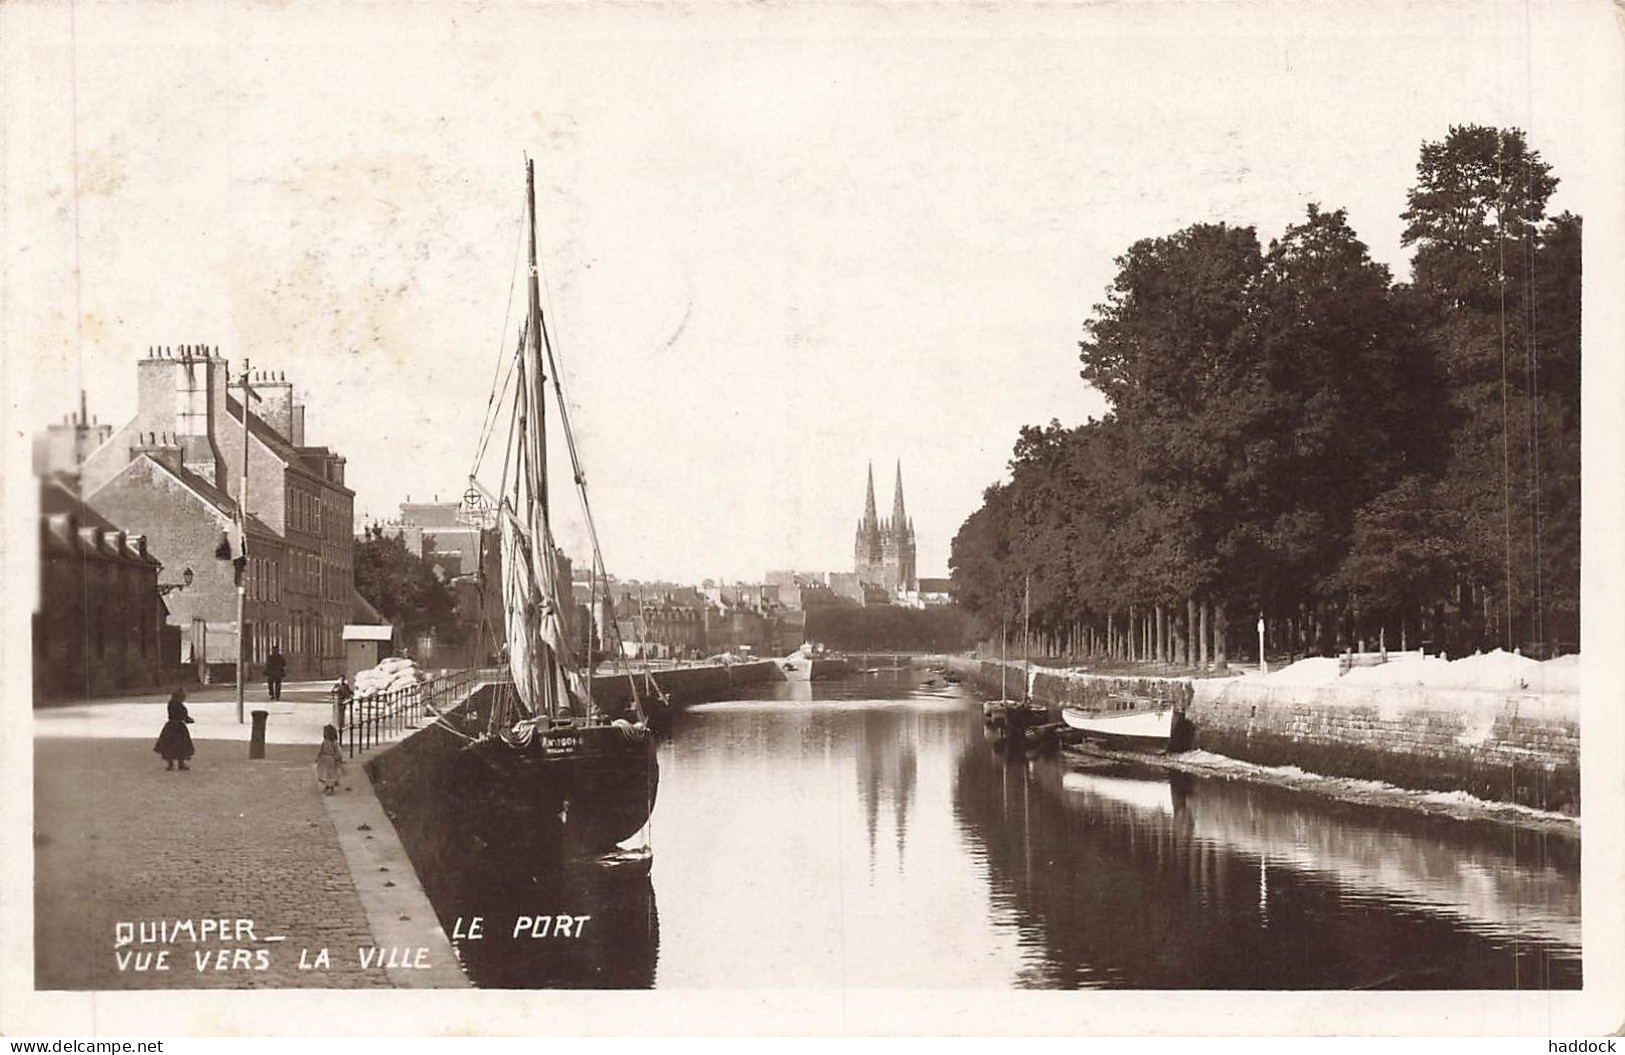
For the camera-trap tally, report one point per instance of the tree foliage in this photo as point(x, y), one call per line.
point(404, 588)
point(1292, 432)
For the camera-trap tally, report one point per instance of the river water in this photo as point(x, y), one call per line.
point(863, 833)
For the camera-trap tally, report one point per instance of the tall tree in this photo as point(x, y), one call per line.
point(1475, 217)
point(1165, 350)
point(1349, 404)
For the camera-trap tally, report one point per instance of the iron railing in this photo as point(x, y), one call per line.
point(376, 717)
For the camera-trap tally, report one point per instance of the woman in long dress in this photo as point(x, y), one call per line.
point(175, 742)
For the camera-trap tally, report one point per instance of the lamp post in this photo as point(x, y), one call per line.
point(1263, 664)
point(167, 588)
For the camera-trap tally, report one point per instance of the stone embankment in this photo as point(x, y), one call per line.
point(1512, 745)
point(684, 685)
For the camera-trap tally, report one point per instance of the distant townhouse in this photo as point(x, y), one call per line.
point(98, 620)
point(171, 473)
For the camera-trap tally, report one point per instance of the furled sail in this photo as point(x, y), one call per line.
point(539, 654)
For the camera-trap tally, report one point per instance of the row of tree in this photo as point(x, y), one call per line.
point(1295, 435)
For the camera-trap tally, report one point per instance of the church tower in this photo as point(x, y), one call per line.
point(883, 550)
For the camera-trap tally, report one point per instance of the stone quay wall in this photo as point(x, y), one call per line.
point(1507, 746)
point(684, 685)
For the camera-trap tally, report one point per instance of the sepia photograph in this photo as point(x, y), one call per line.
point(807, 518)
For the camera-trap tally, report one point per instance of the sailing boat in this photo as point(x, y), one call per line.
point(1017, 716)
point(572, 774)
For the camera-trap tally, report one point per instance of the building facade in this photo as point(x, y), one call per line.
point(883, 550)
point(172, 473)
point(99, 619)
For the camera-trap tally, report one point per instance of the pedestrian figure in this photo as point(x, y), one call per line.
point(175, 742)
point(342, 695)
point(329, 761)
point(276, 664)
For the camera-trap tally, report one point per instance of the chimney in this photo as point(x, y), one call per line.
point(181, 394)
point(276, 406)
point(163, 447)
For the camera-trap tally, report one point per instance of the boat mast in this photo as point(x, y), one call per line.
point(1026, 640)
point(541, 537)
point(1004, 623)
point(538, 378)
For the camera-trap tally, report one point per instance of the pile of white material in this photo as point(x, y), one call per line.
point(1497, 671)
point(390, 675)
point(1316, 670)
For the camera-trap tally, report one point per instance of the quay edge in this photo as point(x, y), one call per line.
point(419, 779)
point(1518, 747)
point(684, 685)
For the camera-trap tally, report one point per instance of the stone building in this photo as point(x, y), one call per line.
point(883, 551)
point(98, 621)
point(187, 518)
point(670, 625)
point(437, 532)
point(64, 446)
point(172, 473)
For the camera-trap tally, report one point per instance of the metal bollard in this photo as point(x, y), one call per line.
point(256, 743)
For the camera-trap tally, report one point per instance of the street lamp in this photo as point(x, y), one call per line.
point(167, 588)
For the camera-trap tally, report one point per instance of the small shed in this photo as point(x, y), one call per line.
point(365, 644)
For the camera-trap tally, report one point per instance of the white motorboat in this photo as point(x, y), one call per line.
point(1141, 728)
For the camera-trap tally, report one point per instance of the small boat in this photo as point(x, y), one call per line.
point(634, 862)
point(1140, 728)
point(812, 662)
point(1026, 712)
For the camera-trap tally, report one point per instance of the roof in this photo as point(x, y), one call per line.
point(443, 515)
point(267, 434)
point(221, 502)
point(936, 585)
point(368, 632)
point(69, 527)
point(361, 608)
point(55, 499)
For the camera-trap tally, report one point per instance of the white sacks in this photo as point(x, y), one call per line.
point(390, 675)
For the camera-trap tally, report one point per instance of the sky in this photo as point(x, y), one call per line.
point(780, 241)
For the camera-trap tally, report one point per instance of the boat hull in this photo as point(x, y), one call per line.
point(567, 793)
point(579, 802)
point(800, 668)
point(1140, 730)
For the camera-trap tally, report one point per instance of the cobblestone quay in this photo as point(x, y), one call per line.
point(117, 839)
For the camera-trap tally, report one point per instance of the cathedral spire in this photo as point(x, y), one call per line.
point(899, 518)
point(870, 518)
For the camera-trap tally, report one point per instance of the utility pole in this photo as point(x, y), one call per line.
point(242, 546)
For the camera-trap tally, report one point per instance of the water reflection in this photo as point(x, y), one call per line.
point(1155, 880)
point(862, 833)
point(608, 939)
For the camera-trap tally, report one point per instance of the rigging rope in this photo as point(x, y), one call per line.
point(488, 426)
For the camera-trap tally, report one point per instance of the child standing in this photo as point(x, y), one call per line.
point(329, 760)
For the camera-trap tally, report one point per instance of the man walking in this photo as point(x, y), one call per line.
point(276, 664)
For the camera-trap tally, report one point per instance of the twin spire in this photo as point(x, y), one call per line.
point(871, 521)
